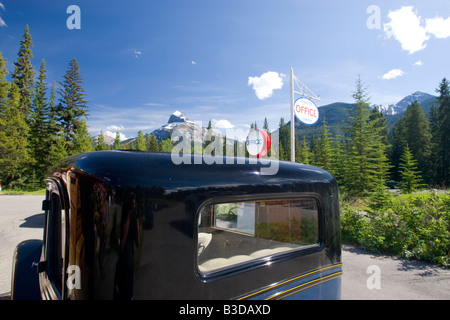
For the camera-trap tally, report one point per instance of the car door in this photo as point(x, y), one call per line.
point(52, 263)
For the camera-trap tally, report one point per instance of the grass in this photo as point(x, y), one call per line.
point(40, 192)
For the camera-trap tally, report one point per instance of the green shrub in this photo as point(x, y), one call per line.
point(413, 226)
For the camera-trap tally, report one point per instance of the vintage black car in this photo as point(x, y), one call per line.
point(136, 225)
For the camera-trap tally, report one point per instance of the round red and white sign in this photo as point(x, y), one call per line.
point(258, 143)
point(306, 111)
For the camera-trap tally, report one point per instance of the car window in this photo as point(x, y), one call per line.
point(234, 233)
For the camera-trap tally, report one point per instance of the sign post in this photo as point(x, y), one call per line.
point(305, 110)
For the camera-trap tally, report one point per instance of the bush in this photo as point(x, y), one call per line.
point(413, 226)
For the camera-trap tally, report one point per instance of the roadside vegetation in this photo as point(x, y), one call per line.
point(415, 226)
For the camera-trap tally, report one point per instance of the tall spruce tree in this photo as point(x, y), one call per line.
point(23, 75)
point(443, 134)
point(116, 144)
point(284, 141)
point(324, 149)
point(140, 142)
point(410, 176)
point(72, 106)
point(367, 162)
point(101, 145)
point(418, 136)
point(40, 135)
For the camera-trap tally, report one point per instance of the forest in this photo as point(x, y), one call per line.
point(42, 123)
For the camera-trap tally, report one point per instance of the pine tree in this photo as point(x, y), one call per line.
point(152, 143)
point(410, 176)
point(72, 106)
point(14, 157)
point(303, 154)
point(23, 75)
point(284, 140)
point(82, 141)
point(324, 151)
point(367, 161)
point(434, 163)
point(418, 137)
point(266, 128)
point(101, 145)
point(443, 134)
point(116, 144)
point(4, 84)
point(166, 145)
point(58, 149)
point(140, 142)
point(40, 136)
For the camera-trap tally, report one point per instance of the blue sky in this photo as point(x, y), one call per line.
point(228, 61)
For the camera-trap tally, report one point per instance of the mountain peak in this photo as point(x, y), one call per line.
point(177, 116)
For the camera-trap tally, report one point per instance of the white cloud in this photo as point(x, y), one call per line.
point(265, 84)
point(111, 131)
point(2, 22)
point(392, 74)
point(222, 124)
point(439, 27)
point(418, 63)
point(405, 26)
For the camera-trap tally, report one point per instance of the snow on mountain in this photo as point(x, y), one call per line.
point(177, 121)
point(402, 105)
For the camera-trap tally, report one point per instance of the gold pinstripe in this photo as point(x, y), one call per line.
point(326, 278)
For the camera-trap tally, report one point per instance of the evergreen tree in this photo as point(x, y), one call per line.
point(266, 128)
point(410, 176)
point(101, 145)
point(140, 142)
point(303, 154)
point(166, 145)
point(152, 143)
point(443, 134)
point(40, 135)
point(23, 75)
point(82, 141)
point(266, 125)
point(72, 106)
point(367, 161)
point(418, 137)
point(116, 144)
point(58, 149)
point(285, 141)
point(339, 159)
point(398, 142)
point(324, 151)
point(434, 163)
point(14, 158)
point(313, 147)
point(4, 84)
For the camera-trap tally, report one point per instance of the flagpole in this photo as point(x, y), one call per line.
point(292, 118)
